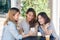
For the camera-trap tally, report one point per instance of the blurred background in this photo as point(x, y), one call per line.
point(51, 7)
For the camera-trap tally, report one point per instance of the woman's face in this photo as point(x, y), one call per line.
point(41, 20)
point(30, 16)
point(16, 16)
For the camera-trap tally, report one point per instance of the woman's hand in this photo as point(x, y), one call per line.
point(27, 35)
point(47, 32)
point(31, 33)
point(20, 29)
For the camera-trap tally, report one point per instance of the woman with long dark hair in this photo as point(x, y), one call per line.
point(46, 26)
point(29, 24)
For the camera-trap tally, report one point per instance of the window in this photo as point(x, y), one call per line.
point(4, 6)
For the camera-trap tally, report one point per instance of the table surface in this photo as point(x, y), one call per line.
point(37, 38)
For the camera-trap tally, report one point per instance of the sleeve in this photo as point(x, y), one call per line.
point(12, 29)
point(51, 27)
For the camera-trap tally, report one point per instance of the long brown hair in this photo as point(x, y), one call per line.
point(33, 21)
point(11, 13)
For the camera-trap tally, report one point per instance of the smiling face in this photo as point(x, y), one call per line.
point(41, 20)
point(29, 16)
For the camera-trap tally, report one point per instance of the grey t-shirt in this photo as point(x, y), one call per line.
point(25, 26)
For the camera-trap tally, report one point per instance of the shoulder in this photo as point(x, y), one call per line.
point(11, 24)
point(51, 26)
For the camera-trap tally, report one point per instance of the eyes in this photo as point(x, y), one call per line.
point(40, 18)
point(30, 14)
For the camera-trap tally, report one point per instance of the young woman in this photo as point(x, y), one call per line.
point(29, 24)
point(10, 31)
point(45, 26)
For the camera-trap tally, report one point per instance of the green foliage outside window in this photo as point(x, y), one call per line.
point(38, 5)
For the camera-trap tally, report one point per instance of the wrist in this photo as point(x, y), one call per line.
point(28, 34)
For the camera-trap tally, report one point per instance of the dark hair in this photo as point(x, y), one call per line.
point(44, 15)
point(33, 21)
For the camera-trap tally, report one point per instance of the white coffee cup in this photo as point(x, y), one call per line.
point(32, 29)
point(39, 34)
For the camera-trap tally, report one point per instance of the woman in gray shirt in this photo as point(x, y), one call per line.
point(29, 22)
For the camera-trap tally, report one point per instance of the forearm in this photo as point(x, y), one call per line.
point(48, 32)
point(25, 35)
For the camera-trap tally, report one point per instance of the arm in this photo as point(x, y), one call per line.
point(36, 29)
point(48, 32)
point(22, 31)
point(29, 34)
point(12, 29)
point(45, 29)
